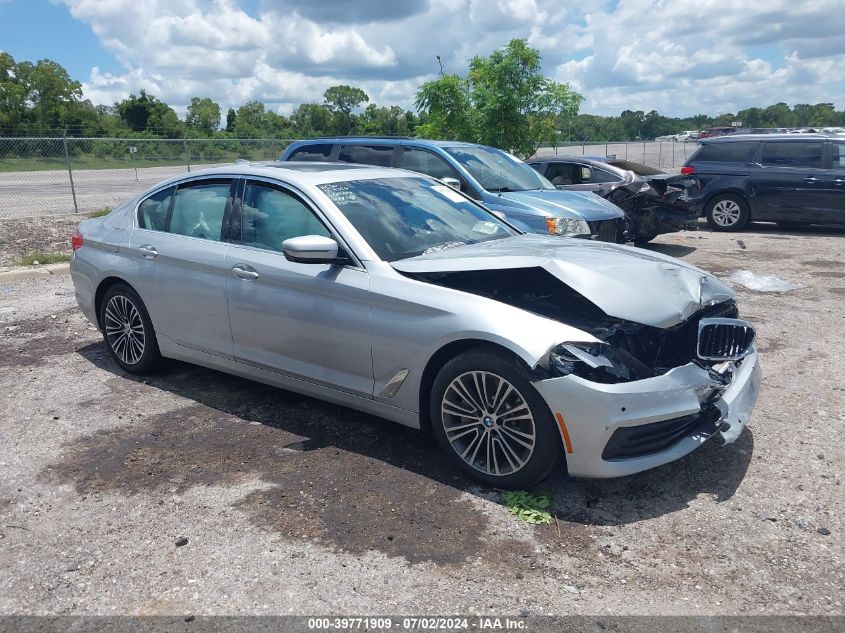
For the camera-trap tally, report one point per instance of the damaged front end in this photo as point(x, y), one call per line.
point(654, 206)
point(640, 394)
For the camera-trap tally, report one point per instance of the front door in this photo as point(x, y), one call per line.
point(308, 321)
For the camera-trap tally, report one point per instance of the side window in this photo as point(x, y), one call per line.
point(791, 154)
point(152, 212)
point(563, 173)
point(312, 152)
point(378, 155)
point(270, 216)
point(427, 163)
point(198, 209)
point(739, 152)
point(838, 155)
point(600, 175)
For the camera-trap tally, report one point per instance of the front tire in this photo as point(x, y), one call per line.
point(727, 212)
point(492, 423)
point(128, 331)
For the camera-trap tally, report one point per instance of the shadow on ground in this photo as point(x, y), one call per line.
point(340, 477)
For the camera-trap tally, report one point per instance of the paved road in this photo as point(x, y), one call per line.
point(36, 193)
point(291, 505)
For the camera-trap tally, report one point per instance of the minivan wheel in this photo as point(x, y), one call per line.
point(128, 331)
point(727, 212)
point(492, 423)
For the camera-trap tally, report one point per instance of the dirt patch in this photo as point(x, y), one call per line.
point(20, 236)
point(822, 263)
point(839, 292)
point(31, 340)
point(318, 492)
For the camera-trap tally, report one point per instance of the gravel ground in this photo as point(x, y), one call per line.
point(196, 492)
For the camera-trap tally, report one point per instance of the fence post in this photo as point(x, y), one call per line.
point(659, 154)
point(673, 154)
point(187, 153)
point(70, 173)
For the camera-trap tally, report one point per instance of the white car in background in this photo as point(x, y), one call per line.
point(688, 135)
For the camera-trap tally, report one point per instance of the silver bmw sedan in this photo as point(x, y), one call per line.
point(392, 293)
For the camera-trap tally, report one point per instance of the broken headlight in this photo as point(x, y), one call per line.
point(567, 226)
point(598, 362)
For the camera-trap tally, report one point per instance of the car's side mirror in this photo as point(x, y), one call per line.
point(311, 249)
point(454, 183)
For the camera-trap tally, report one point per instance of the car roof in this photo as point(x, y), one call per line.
point(301, 172)
point(383, 140)
point(732, 138)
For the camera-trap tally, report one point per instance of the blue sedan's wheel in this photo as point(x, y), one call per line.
point(491, 421)
point(128, 331)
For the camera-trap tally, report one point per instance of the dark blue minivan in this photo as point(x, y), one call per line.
point(501, 182)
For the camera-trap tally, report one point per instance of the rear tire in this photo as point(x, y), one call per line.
point(727, 212)
point(492, 423)
point(128, 331)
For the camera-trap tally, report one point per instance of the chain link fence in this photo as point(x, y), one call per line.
point(58, 175)
point(53, 176)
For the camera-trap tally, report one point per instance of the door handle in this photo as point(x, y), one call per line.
point(242, 271)
point(147, 251)
point(810, 178)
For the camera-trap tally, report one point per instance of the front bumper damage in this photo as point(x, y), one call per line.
point(591, 413)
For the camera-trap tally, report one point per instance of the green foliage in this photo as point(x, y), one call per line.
point(505, 101)
point(100, 212)
point(447, 107)
point(146, 113)
point(39, 258)
point(526, 507)
point(342, 100)
point(203, 115)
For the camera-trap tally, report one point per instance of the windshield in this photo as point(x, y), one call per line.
point(498, 171)
point(406, 217)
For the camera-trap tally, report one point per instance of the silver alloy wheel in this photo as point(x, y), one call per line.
point(488, 423)
point(726, 213)
point(124, 329)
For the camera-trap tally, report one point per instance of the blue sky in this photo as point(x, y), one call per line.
point(677, 56)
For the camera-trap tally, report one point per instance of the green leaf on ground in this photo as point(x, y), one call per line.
point(528, 507)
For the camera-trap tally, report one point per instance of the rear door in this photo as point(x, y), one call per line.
point(181, 262)
point(788, 182)
point(308, 321)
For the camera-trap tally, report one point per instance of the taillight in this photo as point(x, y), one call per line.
point(76, 241)
point(687, 169)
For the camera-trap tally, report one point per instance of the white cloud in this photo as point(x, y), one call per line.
point(678, 56)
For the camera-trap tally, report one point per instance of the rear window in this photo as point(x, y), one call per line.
point(793, 154)
point(378, 155)
point(726, 152)
point(312, 152)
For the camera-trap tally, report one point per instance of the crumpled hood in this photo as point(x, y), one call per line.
point(584, 205)
point(625, 282)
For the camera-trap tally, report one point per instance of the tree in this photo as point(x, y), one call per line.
point(203, 115)
point(41, 95)
point(342, 100)
point(231, 117)
point(516, 106)
point(146, 113)
point(446, 105)
point(505, 101)
point(312, 119)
